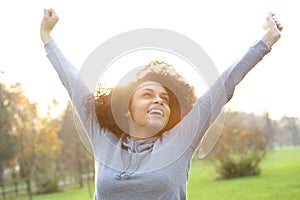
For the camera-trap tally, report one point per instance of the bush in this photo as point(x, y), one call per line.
point(241, 146)
point(49, 186)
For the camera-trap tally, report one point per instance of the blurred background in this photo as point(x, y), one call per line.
point(39, 146)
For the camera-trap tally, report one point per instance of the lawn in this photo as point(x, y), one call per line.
point(280, 180)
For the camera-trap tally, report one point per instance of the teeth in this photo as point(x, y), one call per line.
point(156, 111)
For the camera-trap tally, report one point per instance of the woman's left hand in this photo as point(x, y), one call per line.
point(273, 29)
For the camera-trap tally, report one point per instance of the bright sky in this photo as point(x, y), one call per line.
point(225, 29)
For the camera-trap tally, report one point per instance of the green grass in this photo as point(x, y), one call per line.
point(280, 180)
point(79, 194)
point(76, 194)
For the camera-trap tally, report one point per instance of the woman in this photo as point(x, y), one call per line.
point(143, 145)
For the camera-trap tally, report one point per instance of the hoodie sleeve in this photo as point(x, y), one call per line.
point(209, 106)
point(68, 75)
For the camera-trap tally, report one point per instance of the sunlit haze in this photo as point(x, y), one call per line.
point(224, 29)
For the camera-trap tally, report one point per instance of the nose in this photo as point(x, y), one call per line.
point(158, 100)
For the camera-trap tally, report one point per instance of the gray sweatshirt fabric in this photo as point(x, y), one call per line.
point(156, 167)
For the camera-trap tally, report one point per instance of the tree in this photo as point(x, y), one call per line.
point(30, 141)
point(241, 146)
point(47, 152)
point(75, 160)
point(14, 110)
point(290, 130)
point(270, 128)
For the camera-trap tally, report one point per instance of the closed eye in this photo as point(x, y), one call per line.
point(165, 98)
point(147, 94)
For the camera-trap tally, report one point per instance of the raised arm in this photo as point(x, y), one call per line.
point(65, 70)
point(210, 105)
point(67, 73)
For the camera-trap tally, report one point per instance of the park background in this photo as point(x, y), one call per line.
point(224, 29)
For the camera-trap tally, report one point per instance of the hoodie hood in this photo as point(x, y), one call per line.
point(137, 148)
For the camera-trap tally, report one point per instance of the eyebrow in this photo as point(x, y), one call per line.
point(151, 90)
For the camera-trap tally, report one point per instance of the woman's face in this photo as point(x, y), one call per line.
point(149, 106)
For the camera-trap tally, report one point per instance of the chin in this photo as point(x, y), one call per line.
point(157, 126)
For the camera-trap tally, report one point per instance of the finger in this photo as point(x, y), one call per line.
point(269, 19)
point(279, 26)
point(266, 25)
point(53, 13)
point(271, 14)
point(277, 23)
point(46, 13)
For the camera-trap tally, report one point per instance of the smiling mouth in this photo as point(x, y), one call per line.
point(156, 111)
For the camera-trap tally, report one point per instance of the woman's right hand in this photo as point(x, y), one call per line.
point(273, 30)
point(48, 22)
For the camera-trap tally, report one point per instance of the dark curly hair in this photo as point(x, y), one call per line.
point(181, 97)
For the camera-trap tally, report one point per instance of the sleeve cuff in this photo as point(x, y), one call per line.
point(261, 47)
point(50, 45)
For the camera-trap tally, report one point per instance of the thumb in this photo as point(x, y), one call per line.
point(269, 21)
point(46, 13)
point(270, 18)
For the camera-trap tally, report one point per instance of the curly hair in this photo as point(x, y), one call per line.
point(181, 97)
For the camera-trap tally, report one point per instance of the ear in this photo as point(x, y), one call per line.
point(127, 114)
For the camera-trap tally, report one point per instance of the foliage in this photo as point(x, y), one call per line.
point(288, 131)
point(75, 160)
point(27, 141)
point(48, 150)
point(15, 117)
point(241, 146)
point(34, 144)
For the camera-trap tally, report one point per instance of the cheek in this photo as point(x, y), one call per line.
point(169, 112)
point(138, 113)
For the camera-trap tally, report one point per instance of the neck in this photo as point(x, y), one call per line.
point(139, 133)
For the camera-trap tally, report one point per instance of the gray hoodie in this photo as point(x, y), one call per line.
point(156, 167)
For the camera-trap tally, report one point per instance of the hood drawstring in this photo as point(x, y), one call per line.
point(123, 172)
point(140, 147)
